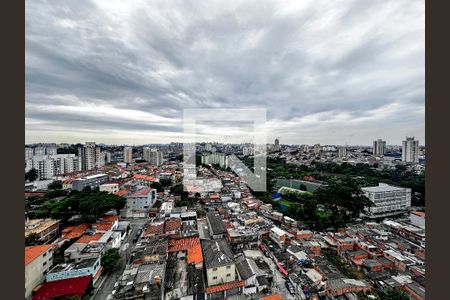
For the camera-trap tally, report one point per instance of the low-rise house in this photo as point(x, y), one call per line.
point(38, 261)
point(145, 281)
point(110, 188)
point(219, 262)
point(278, 236)
point(75, 270)
point(216, 226)
point(139, 203)
point(341, 286)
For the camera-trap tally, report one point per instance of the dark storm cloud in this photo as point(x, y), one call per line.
point(317, 66)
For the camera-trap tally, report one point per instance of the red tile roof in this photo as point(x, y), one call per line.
point(225, 286)
point(144, 177)
point(33, 252)
point(154, 228)
point(141, 192)
point(171, 225)
point(86, 239)
point(272, 297)
point(73, 287)
point(121, 193)
point(191, 245)
point(75, 232)
point(103, 226)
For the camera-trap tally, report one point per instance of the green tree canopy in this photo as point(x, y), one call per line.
point(31, 175)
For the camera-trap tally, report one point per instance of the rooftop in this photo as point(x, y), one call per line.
point(33, 252)
point(217, 253)
point(38, 225)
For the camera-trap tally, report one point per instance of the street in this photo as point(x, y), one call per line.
point(107, 285)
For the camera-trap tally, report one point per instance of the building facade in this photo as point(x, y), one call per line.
point(410, 150)
point(92, 181)
point(379, 147)
point(388, 200)
point(128, 155)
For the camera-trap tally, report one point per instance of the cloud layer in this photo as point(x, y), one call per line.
point(329, 72)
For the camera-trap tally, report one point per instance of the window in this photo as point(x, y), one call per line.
point(214, 277)
point(44, 263)
point(228, 275)
point(214, 269)
point(45, 254)
point(228, 267)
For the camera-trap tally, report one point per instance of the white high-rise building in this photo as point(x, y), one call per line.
point(48, 166)
point(277, 144)
point(317, 149)
point(153, 156)
point(410, 150)
point(379, 147)
point(29, 153)
point(342, 152)
point(90, 156)
point(128, 154)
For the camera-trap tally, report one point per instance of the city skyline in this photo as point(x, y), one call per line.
point(327, 72)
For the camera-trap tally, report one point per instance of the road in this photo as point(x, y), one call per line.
point(108, 284)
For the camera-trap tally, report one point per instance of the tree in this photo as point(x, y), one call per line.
point(89, 204)
point(394, 294)
point(55, 185)
point(31, 175)
point(158, 186)
point(165, 182)
point(303, 187)
point(110, 260)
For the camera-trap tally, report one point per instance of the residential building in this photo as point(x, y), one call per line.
point(153, 156)
point(317, 149)
point(109, 188)
point(38, 260)
point(379, 147)
point(75, 270)
point(278, 236)
point(49, 166)
point(128, 155)
point(216, 226)
point(277, 144)
point(139, 203)
point(89, 154)
point(219, 262)
point(342, 152)
point(410, 150)
point(417, 218)
point(92, 181)
point(388, 200)
point(46, 229)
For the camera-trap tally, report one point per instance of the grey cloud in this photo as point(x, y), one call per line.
point(164, 56)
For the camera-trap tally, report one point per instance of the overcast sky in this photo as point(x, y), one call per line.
point(329, 72)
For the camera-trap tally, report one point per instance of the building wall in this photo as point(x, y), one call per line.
point(36, 270)
point(221, 275)
point(110, 188)
point(74, 273)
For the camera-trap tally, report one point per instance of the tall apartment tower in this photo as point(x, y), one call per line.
point(410, 150)
point(342, 152)
point(379, 147)
point(153, 156)
point(90, 156)
point(277, 144)
point(317, 149)
point(128, 154)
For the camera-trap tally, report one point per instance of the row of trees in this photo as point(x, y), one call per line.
point(88, 204)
